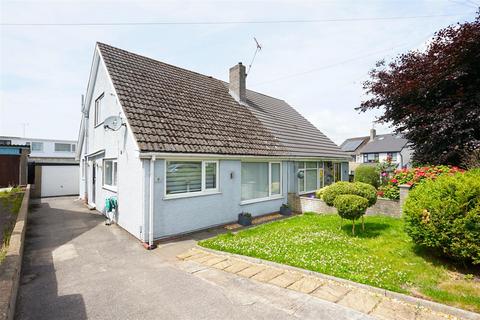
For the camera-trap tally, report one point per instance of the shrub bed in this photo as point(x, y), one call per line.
point(413, 177)
point(444, 216)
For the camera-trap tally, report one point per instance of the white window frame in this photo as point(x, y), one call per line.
point(320, 182)
point(270, 195)
point(204, 190)
point(112, 187)
point(98, 113)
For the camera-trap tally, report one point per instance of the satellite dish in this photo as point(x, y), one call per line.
point(113, 123)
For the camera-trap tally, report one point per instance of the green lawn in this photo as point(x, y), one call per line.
point(382, 255)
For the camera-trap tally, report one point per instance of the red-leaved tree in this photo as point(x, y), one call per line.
point(433, 97)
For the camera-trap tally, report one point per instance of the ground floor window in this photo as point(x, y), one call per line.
point(261, 180)
point(314, 175)
point(184, 177)
point(110, 170)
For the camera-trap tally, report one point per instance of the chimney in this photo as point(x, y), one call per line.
point(236, 87)
point(373, 133)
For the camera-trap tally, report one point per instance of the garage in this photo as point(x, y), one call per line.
point(57, 180)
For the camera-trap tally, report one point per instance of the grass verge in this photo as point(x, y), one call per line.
point(10, 203)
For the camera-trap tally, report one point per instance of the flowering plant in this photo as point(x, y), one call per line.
point(413, 177)
point(386, 168)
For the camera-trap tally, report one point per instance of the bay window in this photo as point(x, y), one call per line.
point(261, 180)
point(191, 177)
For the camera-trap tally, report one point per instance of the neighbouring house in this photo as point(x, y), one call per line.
point(182, 151)
point(377, 148)
point(13, 163)
point(52, 167)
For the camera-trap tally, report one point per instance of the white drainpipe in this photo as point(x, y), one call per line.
point(151, 204)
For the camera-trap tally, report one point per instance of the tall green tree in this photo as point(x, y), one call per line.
point(432, 97)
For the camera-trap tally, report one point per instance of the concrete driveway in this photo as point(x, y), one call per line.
point(75, 267)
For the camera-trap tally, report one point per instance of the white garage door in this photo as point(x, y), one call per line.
point(59, 180)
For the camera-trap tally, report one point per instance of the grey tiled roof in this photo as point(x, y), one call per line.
point(385, 143)
point(171, 109)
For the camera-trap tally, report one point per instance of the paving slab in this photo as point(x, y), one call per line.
point(187, 254)
point(202, 259)
point(331, 292)
point(267, 274)
point(251, 271)
point(214, 260)
point(306, 284)
point(223, 264)
point(425, 314)
point(286, 279)
point(360, 300)
point(389, 309)
point(196, 256)
point(237, 266)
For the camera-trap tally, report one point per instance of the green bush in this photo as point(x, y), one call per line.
point(319, 192)
point(444, 216)
point(336, 189)
point(367, 191)
point(356, 188)
point(351, 207)
point(367, 174)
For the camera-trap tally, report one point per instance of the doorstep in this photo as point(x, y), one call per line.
point(378, 303)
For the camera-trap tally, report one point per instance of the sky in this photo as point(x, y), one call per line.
point(317, 67)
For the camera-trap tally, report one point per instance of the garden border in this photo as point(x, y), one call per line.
point(435, 306)
point(11, 267)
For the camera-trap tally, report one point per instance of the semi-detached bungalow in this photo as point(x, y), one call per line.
point(189, 151)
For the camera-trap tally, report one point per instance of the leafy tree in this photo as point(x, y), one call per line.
point(433, 97)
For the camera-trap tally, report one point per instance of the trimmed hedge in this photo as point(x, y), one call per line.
point(367, 174)
point(350, 206)
point(444, 215)
point(356, 188)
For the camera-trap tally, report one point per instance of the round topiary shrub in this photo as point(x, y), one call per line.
point(367, 191)
point(336, 189)
point(444, 216)
point(357, 188)
point(351, 207)
point(367, 174)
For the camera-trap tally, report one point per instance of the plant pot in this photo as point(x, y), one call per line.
point(285, 211)
point(244, 220)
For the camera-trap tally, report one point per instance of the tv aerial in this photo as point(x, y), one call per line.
point(113, 123)
point(257, 49)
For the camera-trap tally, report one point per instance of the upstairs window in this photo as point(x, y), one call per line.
point(37, 146)
point(63, 147)
point(370, 157)
point(392, 155)
point(5, 142)
point(98, 110)
point(74, 147)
